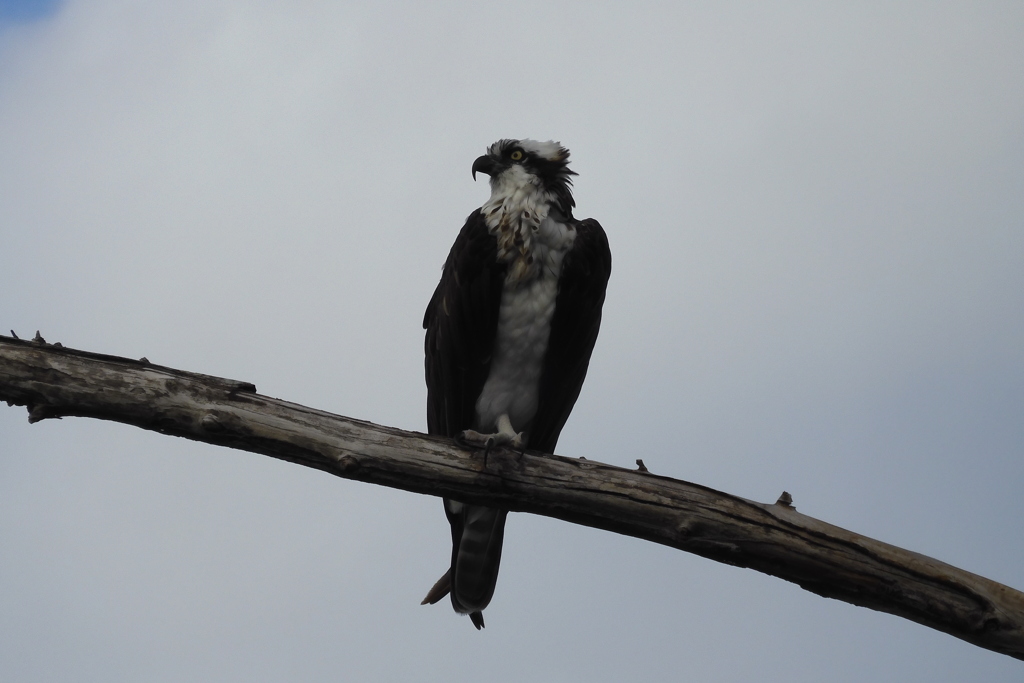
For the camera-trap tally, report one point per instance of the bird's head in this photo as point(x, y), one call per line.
point(529, 162)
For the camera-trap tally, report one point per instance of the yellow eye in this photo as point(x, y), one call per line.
point(516, 155)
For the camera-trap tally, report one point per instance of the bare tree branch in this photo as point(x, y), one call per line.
point(775, 539)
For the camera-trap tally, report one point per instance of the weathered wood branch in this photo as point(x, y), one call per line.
point(775, 539)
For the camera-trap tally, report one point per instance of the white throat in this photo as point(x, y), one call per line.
point(517, 214)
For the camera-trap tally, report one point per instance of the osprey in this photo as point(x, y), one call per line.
point(510, 329)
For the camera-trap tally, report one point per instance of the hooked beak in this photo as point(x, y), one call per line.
point(484, 164)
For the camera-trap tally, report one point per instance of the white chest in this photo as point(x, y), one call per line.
point(524, 320)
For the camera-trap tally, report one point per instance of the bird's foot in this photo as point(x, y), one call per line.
point(506, 437)
point(475, 440)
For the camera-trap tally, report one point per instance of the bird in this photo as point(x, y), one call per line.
point(510, 330)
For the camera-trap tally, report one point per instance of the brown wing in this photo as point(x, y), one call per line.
point(461, 323)
point(574, 328)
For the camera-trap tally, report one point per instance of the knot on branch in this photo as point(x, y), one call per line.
point(211, 423)
point(348, 463)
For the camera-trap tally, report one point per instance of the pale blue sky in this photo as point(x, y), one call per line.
point(27, 10)
point(817, 223)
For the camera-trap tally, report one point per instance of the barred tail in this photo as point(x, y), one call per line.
point(477, 534)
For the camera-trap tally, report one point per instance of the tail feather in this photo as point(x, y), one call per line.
point(441, 589)
point(477, 535)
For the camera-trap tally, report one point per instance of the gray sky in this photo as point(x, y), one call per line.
point(817, 220)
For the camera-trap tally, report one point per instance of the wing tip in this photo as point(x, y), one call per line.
point(440, 589)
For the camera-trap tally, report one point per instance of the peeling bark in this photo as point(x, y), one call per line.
point(53, 381)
